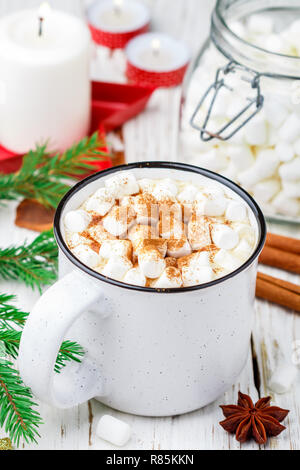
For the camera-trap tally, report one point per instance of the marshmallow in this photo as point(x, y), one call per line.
point(264, 167)
point(274, 43)
point(146, 210)
point(169, 279)
point(261, 24)
point(245, 232)
point(86, 255)
point(286, 205)
point(115, 248)
point(224, 237)
point(236, 211)
point(210, 206)
point(171, 262)
point(158, 243)
point(135, 277)
point(198, 232)
point(230, 172)
point(101, 202)
point(113, 430)
point(290, 130)
point(193, 276)
point(140, 232)
point(283, 378)
point(243, 250)
point(74, 239)
point(179, 248)
point(116, 267)
point(169, 227)
point(162, 193)
point(226, 260)
point(285, 151)
point(296, 146)
point(122, 184)
point(118, 221)
point(266, 190)
point(146, 185)
point(291, 188)
point(290, 171)
point(77, 221)
point(238, 28)
point(213, 160)
point(167, 185)
point(256, 131)
point(241, 156)
point(276, 112)
point(99, 234)
point(151, 262)
point(188, 195)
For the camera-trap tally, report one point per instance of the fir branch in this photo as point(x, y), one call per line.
point(41, 174)
point(35, 264)
point(17, 413)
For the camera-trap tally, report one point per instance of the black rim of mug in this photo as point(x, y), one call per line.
point(172, 166)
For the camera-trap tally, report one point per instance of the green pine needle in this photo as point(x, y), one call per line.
point(17, 413)
point(41, 175)
point(35, 264)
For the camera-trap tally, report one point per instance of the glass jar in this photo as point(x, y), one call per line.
point(240, 113)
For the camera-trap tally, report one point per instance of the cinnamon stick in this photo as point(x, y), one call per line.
point(292, 245)
point(278, 291)
point(280, 259)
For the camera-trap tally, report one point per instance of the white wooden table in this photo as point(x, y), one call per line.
point(152, 136)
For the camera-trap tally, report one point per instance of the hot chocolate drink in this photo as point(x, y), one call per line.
point(163, 233)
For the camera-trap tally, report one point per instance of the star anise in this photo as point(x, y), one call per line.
point(247, 420)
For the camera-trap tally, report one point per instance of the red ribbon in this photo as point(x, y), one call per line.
point(155, 79)
point(115, 40)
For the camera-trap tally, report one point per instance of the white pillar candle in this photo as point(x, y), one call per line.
point(44, 78)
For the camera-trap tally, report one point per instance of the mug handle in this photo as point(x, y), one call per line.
point(44, 331)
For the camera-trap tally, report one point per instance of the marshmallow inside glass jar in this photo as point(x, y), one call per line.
point(179, 230)
point(259, 149)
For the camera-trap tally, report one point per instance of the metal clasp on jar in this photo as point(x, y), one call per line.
point(252, 102)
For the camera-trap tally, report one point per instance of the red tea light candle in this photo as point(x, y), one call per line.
point(113, 23)
point(156, 60)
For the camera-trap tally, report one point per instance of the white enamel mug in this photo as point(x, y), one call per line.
point(148, 353)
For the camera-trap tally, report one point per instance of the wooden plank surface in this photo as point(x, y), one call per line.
point(152, 136)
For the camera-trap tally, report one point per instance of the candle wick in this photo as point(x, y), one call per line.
point(41, 21)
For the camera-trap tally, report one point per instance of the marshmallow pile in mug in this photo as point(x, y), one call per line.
point(160, 233)
point(264, 156)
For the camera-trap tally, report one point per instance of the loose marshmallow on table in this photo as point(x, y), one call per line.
point(113, 430)
point(283, 378)
point(135, 277)
point(179, 248)
point(86, 255)
point(116, 267)
point(124, 184)
point(169, 279)
point(236, 211)
point(101, 202)
point(151, 262)
point(198, 232)
point(224, 237)
point(115, 248)
point(77, 221)
point(118, 221)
